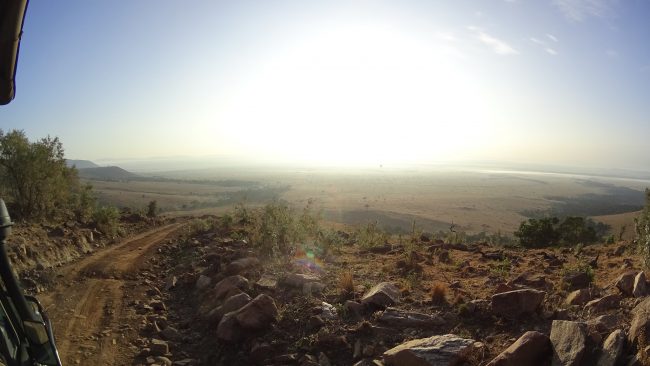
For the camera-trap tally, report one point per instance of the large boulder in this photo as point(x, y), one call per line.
point(299, 280)
point(569, 341)
point(258, 314)
point(612, 349)
point(383, 294)
point(532, 348)
point(512, 304)
point(625, 283)
point(576, 280)
point(441, 350)
point(640, 325)
point(233, 303)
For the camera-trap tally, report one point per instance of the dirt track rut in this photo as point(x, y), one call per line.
point(89, 307)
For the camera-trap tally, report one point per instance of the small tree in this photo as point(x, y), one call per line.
point(536, 233)
point(152, 209)
point(34, 175)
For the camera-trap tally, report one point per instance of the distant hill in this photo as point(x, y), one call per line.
point(81, 164)
point(109, 173)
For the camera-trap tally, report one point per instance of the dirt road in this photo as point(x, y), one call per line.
point(89, 309)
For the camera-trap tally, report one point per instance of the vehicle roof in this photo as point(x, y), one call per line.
point(12, 14)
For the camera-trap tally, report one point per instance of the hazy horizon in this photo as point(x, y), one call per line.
point(557, 82)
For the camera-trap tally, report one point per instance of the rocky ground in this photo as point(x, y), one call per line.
point(211, 299)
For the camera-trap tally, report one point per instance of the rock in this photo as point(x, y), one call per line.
point(311, 288)
point(328, 311)
point(203, 282)
point(240, 265)
point(604, 303)
point(163, 361)
point(605, 323)
point(640, 285)
point(383, 294)
point(170, 334)
point(405, 319)
point(159, 347)
point(228, 284)
point(158, 305)
point(625, 283)
point(260, 352)
point(576, 280)
point(569, 341)
point(170, 283)
point(267, 282)
point(440, 350)
point(323, 360)
point(298, 280)
point(578, 297)
point(258, 314)
point(314, 323)
point(354, 307)
point(528, 279)
point(233, 303)
point(512, 304)
point(640, 324)
point(612, 349)
point(532, 348)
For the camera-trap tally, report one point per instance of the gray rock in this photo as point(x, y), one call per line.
point(267, 282)
point(240, 265)
point(569, 341)
point(640, 324)
point(512, 304)
point(159, 347)
point(233, 303)
point(298, 280)
point(531, 349)
point(603, 304)
point(406, 319)
point(383, 294)
point(625, 283)
point(640, 285)
point(258, 314)
point(605, 323)
point(612, 349)
point(228, 285)
point(441, 350)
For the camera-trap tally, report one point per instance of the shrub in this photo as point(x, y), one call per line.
point(551, 231)
point(346, 282)
point(106, 219)
point(152, 209)
point(370, 235)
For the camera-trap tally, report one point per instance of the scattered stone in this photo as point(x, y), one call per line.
point(233, 303)
point(328, 311)
point(569, 340)
point(267, 282)
point(512, 304)
point(258, 314)
point(159, 347)
point(314, 323)
point(405, 319)
point(528, 279)
point(640, 285)
point(228, 284)
point(532, 348)
point(383, 294)
point(354, 307)
point(612, 349)
point(605, 323)
point(578, 297)
point(576, 280)
point(603, 304)
point(441, 350)
point(240, 265)
point(311, 288)
point(298, 280)
point(323, 360)
point(203, 282)
point(625, 283)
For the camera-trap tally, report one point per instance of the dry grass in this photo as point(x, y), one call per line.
point(439, 293)
point(346, 282)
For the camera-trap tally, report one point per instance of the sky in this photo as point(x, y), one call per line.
point(354, 82)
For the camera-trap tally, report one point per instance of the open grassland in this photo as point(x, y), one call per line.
point(474, 201)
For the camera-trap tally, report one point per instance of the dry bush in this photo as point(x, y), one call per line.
point(439, 293)
point(346, 282)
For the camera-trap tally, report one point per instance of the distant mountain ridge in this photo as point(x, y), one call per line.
point(81, 164)
point(109, 173)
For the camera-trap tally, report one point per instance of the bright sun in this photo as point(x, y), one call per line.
point(356, 95)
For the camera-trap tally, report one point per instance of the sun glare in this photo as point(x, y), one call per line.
point(356, 95)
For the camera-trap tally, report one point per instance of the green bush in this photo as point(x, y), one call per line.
point(370, 235)
point(551, 231)
point(152, 209)
point(106, 219)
